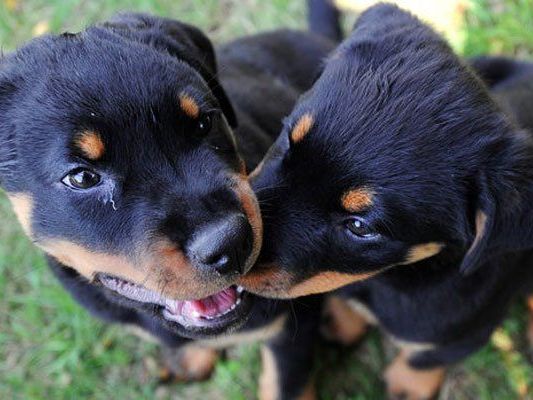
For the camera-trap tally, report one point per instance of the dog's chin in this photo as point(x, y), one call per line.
point(216, 314)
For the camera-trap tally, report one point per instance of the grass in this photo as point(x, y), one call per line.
point(51, 348)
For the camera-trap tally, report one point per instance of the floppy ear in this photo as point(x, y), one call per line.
point(484, 223)
point(182, 41)
point(503, 220)
point(204, 60)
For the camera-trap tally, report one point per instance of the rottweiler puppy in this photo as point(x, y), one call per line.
point(119, 158)
point(399, 166)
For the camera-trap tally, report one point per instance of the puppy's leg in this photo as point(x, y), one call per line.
point(190, 363)
point(288, 359)
point(344, 322)
point(418, 371)
point(286, 373)
point(406, 382)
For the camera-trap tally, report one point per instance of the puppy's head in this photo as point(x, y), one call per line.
point(120, 163)
point(396, 156)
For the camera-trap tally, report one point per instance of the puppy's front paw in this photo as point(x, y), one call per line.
point(406, 383)
point(189, 364)
point(341, 323)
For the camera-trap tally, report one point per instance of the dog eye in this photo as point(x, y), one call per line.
point(204, 125)
point(360, 228)
point(81, 178)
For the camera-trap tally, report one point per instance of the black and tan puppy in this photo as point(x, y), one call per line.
point(398, 166)
point(120, 162)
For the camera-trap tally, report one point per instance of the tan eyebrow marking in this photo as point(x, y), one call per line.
point(91, 144)
point(302, 127)
point(189, 105)
point(356, 200)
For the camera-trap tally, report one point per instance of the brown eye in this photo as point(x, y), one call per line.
point(359, 228)
point(204, 125)
point(81, 178)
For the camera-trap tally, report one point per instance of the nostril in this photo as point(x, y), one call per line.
point(221, 264)
point(223, 246)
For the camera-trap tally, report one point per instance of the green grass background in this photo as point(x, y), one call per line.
point(51, 348)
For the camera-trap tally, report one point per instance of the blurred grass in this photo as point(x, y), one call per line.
point(51, 348)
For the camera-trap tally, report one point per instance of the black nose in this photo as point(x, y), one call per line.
point(224, 246)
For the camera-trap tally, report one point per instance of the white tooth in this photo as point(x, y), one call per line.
point(240, 289)
point(195, 314)
point(238, 301)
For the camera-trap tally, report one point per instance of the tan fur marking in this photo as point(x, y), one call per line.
point(194, 364)
point(189, 106)
point(344, 326)
point(91, 145)
point(22, 206)
point(357, 200)
point(302, 127)
point(413, 384)
point(270, 281)
point(268, 381)
point(250, 206)
point(481, 223)
point(326, 282)
point(162, 269)
point(422, 251)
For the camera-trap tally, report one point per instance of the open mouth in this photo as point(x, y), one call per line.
point(216, 311)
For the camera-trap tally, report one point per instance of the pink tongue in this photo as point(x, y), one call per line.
point(211, 306)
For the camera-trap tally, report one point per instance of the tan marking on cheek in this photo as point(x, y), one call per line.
point(163, 269)
point(23, 207)
point(269, 379)
point(357, 200)
point(422, 251)
point(405, 381)
point(250, 207)
point(91, 145)
point(88, 262)
point(189, 106)
point(271, 281)
point(326, 282)
point(302, 127)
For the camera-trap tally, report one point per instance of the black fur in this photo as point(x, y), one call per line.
point(397, 113)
